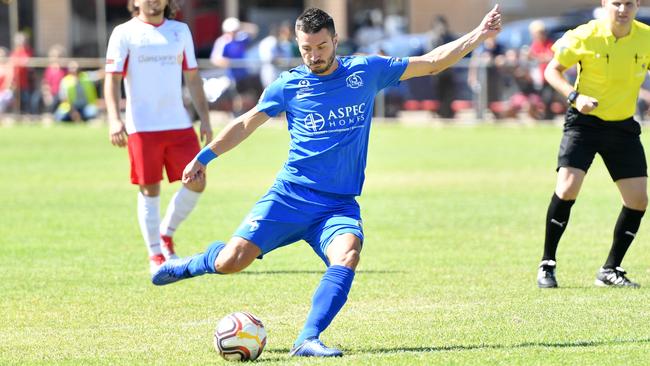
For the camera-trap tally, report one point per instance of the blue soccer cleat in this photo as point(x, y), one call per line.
point(179, 269)
point(172, 271)
point(314, 348)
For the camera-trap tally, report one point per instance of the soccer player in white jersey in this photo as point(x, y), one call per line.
point(152, 53)
point(328, 103)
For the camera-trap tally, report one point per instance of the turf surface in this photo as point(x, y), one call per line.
point(453, 218)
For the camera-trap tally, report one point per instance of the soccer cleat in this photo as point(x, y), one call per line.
point(167, 247)
point(614, 277)
point(155, 261)
point(172, 271)
point(546, 274)
point(314, 348)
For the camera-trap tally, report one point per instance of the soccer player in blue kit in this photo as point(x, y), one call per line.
point(328, 103)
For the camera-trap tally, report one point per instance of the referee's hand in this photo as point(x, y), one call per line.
point(586, 104)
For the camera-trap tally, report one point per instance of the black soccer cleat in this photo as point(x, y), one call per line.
point(546, 274)
point(614, 277)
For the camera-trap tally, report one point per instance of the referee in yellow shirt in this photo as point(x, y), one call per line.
point(613, 57)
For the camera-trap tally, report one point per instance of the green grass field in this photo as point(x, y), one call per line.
point(453, 218)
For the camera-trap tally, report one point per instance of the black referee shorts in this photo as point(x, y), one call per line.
point(617, 142)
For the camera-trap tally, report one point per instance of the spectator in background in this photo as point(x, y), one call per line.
point(52, 77)
point(231, 46)
point(370, 31)
point(541, 54)
point(276, 51)
point(491, 56)
point(523, 96)
point(445, 81)
point(22, 79)
point(6, 80)
point(78, 96)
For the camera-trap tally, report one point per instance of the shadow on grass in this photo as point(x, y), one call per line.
point(297, 271)
point(281, 354)
point(470, 347)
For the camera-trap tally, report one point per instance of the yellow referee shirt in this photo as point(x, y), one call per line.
point(609, 70)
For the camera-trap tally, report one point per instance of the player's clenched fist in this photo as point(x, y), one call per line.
point(194, 171)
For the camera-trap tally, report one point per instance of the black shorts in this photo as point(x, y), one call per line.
point(617, 142)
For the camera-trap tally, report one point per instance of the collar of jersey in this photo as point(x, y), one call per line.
point(608, 31)
point(152, 24)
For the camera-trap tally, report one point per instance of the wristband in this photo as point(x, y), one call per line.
point(206, 155)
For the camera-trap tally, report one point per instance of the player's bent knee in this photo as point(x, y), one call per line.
point(348, 259)
point(638, 203)
point(236, 256)
point(196, 186)
point(567, 193)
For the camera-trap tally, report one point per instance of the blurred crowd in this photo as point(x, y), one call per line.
point(503, 82)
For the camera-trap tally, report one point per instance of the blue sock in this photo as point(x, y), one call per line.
point(329, 298)
point(204, 262)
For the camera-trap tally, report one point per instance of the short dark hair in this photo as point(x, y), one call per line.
point(169, 13)
point(313, 20)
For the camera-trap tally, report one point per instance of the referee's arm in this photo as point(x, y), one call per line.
point(554, 75)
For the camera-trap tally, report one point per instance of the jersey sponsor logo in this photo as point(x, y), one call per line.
point(163, 60)
point(338, 119)
point(110, 61)
point(354, 81)
point(314, 122)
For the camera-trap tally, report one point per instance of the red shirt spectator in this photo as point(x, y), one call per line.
point(19, 57)
point(52, 77)
point(540, 47)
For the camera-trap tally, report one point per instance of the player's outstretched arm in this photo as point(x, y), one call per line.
point(112, 95)
point(195, 86)
point(232, 135)
point(450, 53)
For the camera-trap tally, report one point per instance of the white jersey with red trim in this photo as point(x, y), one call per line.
point(152, 59)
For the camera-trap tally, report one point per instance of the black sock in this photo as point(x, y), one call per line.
point(557, 218)
point(626, 227)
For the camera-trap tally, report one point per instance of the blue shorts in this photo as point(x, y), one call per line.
point(290, 212)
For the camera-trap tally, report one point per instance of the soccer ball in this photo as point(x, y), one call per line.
point(240, 336)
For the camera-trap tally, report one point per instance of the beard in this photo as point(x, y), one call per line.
point(327, 65)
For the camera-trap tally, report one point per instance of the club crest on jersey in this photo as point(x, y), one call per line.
point(305, 88)
point(354, 81)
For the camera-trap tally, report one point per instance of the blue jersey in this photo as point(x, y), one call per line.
point(329, 120)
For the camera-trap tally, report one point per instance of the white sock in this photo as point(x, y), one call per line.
point(179, 208)
point(149, 219)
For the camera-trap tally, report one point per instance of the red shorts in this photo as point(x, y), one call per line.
point(149, 152)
